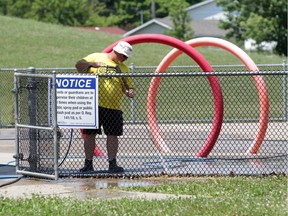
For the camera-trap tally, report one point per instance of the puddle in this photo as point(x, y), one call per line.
point(94, 183)
point(123, 183)
point(108, 188)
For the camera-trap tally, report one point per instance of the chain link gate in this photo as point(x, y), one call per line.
point(37, 136)
point(185, 114)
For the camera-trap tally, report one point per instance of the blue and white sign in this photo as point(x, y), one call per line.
point(77, 101)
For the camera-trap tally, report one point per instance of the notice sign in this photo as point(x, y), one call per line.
point(77, 101)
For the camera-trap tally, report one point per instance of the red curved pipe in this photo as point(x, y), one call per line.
point(151, 99)
point(258, 80)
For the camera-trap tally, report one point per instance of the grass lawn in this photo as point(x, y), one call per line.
point(208, 196)
point(26, 43)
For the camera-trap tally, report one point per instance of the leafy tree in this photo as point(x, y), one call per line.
point(257, 19)
point(100, 14)
point(124, 13)
point(163, 6)
point(3, 7)
point(191, 2)
point(65, 12)
point(181, 21)
point(16, 8)
point(129, 12)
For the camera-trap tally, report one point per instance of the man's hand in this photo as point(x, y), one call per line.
point(129, 93)
point(82, 64)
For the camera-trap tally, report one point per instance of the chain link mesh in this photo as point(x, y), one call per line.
point(185, 111)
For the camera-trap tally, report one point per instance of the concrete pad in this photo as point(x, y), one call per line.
point(78, 189)
point(26, 191)
point(7, 158)
point(7, 134)
point(7, 146)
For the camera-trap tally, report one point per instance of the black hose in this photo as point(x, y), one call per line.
point(10, 182)
point(69, 146)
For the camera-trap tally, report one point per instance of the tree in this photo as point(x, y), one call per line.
point(65, 12)
point(181, 21)
point(101, 15)
point(130, 11)
point(192, 2)
point(15, 8)
point(163, 6)
point(257, 19)
point(124, 13)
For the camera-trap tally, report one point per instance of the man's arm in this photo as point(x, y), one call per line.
point(82, 64)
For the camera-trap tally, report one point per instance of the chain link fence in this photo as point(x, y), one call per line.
point(185, 116)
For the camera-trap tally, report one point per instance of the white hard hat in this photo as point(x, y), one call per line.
point(123, 48)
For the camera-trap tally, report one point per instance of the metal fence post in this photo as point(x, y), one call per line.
point(16, 110)
point(0, 105)
point(55, 125)
point(32, 108)
point(285, 90)
point(132, 66)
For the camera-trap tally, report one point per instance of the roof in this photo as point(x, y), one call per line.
point(202, 28)
point(147, 24)
point(207, 28)
point(205, 23)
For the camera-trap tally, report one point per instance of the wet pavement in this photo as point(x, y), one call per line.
point(104, 188)
point(78, 188)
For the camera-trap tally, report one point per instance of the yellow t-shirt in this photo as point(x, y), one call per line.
point(110, 89)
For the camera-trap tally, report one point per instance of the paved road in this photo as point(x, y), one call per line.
point(7, 145)
point(75, 188)
point(82, 188)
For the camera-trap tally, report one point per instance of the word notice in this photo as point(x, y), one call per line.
point(77, 101)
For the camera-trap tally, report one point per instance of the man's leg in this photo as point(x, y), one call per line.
point(89, 145)
point(112, 146)
point(112, 149)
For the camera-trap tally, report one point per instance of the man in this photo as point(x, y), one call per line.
point(111, 90)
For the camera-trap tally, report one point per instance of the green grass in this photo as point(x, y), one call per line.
point(27, 43)
point(209, 196)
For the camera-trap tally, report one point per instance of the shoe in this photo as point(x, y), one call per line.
point(113, 168)
point(88, 166)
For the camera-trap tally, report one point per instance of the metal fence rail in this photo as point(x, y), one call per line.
point(185, 113)
point(7, 117)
